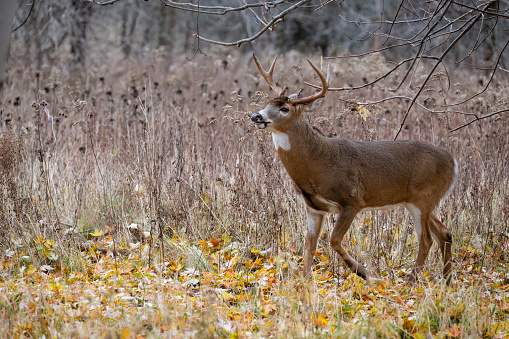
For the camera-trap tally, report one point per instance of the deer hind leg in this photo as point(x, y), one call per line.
point(315, 221)
point(342, 225)
point(422, 222)
point(444, 240)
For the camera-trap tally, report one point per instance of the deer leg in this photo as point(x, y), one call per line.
point(315, 221)
point(342, 225)
point(444, 240)
point(422, 227)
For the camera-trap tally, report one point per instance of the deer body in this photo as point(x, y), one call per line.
point(346, 177)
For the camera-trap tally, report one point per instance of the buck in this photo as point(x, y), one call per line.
point(346, 177)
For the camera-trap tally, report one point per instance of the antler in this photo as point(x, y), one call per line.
point(325, 87)
point(268, 77)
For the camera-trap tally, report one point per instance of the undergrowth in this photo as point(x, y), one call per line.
point(144, 203)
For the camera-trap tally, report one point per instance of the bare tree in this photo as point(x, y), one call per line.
point(437, 30)
point(80, 17)
point(439, 34)
point(129, 18)
point(7, 10)
point(443, 34)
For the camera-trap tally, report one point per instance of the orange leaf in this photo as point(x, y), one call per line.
point(455, 332)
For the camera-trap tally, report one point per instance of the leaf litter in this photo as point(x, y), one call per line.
point(227, 294)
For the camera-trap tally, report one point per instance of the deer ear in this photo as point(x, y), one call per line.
point(296, 95)
point(315, 104)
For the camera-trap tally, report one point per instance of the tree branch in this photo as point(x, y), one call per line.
point(455, 41)
point(269, 25)
point(479, 118)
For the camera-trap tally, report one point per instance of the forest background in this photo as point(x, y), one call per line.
point(138, 200)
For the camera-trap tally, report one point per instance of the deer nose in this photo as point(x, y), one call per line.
point(257, 117)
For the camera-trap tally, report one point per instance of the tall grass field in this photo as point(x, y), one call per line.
point(139, 201)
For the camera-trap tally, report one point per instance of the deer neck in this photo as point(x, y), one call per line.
point(305, 154)
point(297, 143)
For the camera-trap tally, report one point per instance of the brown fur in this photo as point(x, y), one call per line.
point(358, 175)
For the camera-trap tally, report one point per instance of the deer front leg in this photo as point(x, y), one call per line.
point(342, 225)
point(315, 221)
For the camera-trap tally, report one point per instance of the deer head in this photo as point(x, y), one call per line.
point(281, 110)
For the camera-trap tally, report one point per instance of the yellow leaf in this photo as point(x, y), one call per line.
point(97, 233)
point(233, 261)
point(206, 198)
point(363, 112)
point(324, 259)
point(227, 296)
point(408, 325)
point(258, 261)
point(126, 333)
point(322, 320)
point(268, 308)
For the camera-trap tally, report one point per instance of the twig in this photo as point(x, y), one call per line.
point(489, 81)
point(417, 103)
point(479, 118)
point(374, 81)
point(269, 25)
point(218, 10)
point(26, 19)
point(455, 41)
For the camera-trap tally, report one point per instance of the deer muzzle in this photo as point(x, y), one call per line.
point(257, 118)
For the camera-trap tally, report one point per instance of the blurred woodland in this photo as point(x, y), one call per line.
point(447, 37)
point(48, 29)
point(45, 30)
point(139, 200)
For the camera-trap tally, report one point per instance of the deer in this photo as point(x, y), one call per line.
point(345, 177)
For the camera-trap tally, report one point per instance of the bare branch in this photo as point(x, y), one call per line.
point(421, 30)
point(386, 74)
point(477, 43)
point(199, 8)
point(479, 118)
point(218, 10)
point(489, 81)
point(269, 25)
point(103, 3)
point(421, 45)
point(484, 11)
point(393, 22)
point(27, 17)
point(458, 38)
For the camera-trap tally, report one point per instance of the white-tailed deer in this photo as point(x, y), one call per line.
point(346, 177)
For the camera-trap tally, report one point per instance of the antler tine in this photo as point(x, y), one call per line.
point(325, 87)
point(268, 76)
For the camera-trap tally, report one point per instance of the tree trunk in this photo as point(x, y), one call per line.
point(82, 11)
point(7, 10)
point(129, 19)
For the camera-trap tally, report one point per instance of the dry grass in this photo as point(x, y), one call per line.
point(171, 149)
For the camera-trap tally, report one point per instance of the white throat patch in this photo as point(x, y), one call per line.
point(281, 140)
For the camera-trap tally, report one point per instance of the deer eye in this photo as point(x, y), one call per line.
point(285, 110)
